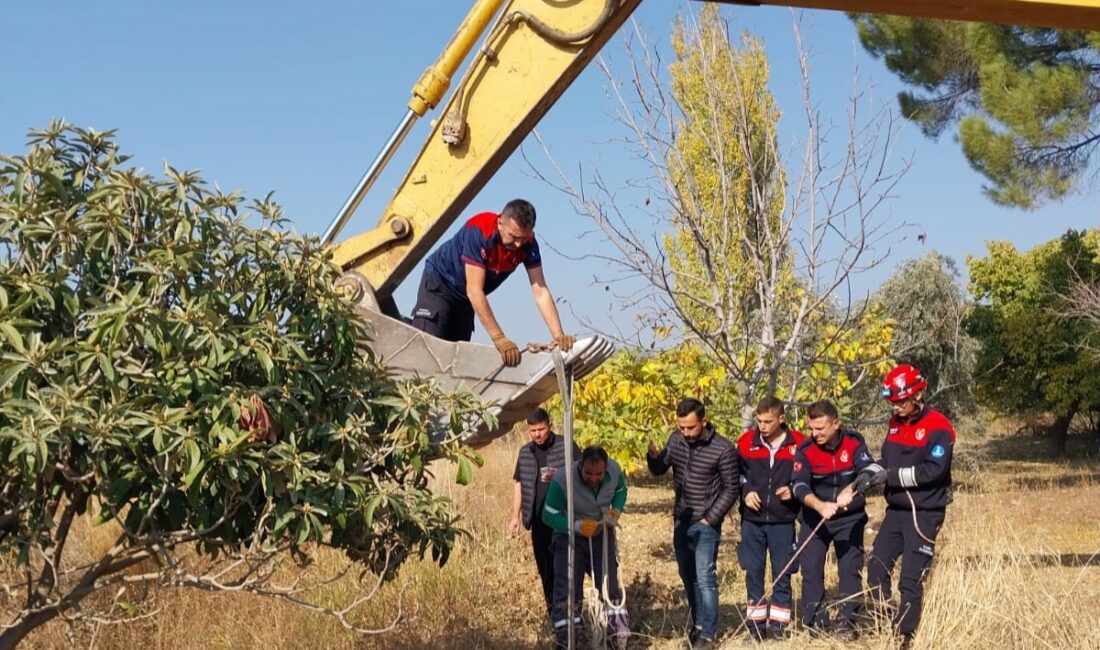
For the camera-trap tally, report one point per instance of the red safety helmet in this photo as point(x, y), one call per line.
point(903, 382)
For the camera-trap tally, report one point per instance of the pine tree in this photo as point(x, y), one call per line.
point(1024, 99)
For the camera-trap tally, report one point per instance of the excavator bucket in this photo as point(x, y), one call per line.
point(512, 392)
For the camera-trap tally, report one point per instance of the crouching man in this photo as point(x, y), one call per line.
point(599, 495)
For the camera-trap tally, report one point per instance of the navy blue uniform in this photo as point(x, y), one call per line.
point(442, 308)
point(824, 473)
point(770, 529)
point(917, 456)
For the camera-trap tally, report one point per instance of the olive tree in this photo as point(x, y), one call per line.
point(929, 306)
point(197, 386)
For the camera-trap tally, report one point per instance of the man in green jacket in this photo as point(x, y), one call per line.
point(599, 495)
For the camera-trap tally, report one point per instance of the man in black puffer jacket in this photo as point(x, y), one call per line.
point(704, 471)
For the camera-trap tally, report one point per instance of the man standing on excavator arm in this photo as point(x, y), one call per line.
point(460, 275)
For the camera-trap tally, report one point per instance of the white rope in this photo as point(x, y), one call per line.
point(601, 593)
point(610, 524)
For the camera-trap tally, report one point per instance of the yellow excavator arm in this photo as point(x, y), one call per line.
point(533, 50)
point(530, 52)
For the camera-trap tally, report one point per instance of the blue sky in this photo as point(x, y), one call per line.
point(298, 97)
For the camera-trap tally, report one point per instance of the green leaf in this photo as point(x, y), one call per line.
point(368, 512)
point(20, 187)
point(196, 471)
point(107, 367)
point(10, 373)
point(265, 362)
point(465, 472)
point(282, 520)
point(13, 337)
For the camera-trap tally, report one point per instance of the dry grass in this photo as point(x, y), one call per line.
point(1016, 568)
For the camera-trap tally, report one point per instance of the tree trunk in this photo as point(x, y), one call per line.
point(1059, 432)
point(11, 637)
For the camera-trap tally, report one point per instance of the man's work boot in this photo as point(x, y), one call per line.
point(757, 630)
point(846, 631)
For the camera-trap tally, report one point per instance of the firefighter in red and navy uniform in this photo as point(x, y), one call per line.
point(460, 274)
point(825, 467)
point(917, 457)
point(768, 511)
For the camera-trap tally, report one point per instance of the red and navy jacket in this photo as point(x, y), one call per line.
point(763, 473)
point(825, 472)
point(478, 243)
point(917, 457)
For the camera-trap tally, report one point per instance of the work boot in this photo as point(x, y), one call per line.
point(906, 642)
point(776, 631)
point(757, 630)
point(702, 642)
point(846, 631)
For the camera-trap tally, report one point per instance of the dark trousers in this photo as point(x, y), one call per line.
point(696, 548)
point(898, 537)
point(439, 313)
point(846, 536)
point(758, 542)
point(587, 558)
point(542, 541)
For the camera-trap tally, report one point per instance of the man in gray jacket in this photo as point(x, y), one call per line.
point(704, 471)
point(538, 462)
point(599, 496)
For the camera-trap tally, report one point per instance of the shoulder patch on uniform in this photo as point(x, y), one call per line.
point(797, 466)
point(938, 451)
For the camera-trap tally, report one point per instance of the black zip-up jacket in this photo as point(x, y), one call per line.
point(917, 457)
point(826, 472)
point(527, 469)
point(761, 474)
point(704, 475)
